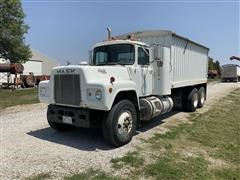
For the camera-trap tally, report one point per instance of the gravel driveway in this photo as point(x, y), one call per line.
point(28, 146)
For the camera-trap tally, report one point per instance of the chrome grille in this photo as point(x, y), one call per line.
point(67, 89)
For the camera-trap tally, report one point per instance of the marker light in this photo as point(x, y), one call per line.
point(112, 79)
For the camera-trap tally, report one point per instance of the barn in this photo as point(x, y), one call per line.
point(38, 64)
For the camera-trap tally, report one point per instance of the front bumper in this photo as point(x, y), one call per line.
point(80, 117)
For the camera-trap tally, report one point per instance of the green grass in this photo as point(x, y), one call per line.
point(216, 132)
point(91, 174)
point(221, 130)
point(131, 159)
point(231, 174)
point(166, 167)
point(18, 97)
point(41, 176)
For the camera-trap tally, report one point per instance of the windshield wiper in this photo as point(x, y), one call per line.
point(115, 63)
point(101, 64)
point(110, 63)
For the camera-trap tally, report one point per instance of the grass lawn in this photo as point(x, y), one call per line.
point(209, 148)
point(20, 96)
point(206, 148)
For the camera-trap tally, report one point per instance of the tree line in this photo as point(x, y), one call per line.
point(214, 65)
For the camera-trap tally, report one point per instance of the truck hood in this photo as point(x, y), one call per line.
point(96, 73)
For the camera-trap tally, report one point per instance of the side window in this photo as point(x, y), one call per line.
point(143, 57)
point(101, 57)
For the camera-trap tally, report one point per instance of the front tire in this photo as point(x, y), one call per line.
point(120, 125)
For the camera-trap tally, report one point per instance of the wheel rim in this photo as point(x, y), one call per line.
point(124, 123)
point(202, 97)
point(195, 100)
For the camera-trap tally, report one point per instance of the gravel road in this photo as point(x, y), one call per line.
point(28, 146)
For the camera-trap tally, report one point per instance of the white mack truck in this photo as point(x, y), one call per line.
point(130, 78)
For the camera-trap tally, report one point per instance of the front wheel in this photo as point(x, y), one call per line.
point(120, 125)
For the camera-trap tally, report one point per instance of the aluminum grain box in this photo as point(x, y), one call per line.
point(230, 71)
point(188, 61)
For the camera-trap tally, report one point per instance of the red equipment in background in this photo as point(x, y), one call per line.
point(24, 80)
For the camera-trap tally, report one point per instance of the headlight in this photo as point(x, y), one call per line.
point(94, 94)
point(98, 94)
point(43, 91)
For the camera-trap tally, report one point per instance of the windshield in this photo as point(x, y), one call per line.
point(114, 54)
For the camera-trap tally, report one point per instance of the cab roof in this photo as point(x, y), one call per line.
point(113, 41)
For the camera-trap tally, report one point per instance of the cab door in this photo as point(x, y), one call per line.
point(144, 71)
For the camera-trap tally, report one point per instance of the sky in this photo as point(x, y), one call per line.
point(66, 30)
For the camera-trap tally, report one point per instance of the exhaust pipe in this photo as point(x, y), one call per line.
point(109, 33)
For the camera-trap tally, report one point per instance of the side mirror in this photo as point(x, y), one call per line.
point(90, 57)
point(151, 55)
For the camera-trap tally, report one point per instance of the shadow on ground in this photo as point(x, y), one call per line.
point(79, 138)
point(90, 139)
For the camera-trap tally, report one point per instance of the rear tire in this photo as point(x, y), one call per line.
point(120, 125)
point(192, 100)
point(201, 97)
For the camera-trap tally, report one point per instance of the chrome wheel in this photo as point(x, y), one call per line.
point(202, 97)
point(192, 100)
point(195, 100)
point(124, 123)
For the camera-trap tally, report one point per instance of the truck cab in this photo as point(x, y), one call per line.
point(119, 69)
point(134, 57)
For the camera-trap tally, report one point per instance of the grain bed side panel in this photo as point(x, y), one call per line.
point(189, 63)
point(164, 40)
point(238, 71)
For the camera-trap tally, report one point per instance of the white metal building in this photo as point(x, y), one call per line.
point(38, 64)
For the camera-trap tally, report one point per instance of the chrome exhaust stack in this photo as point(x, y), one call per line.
point(109, 33)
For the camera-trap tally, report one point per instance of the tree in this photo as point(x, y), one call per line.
point(210, 63)
point(218, 67)
point(12, 31)
point(214, 65)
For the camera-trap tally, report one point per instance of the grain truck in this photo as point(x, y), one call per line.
point(230, 72)
point(130, 78)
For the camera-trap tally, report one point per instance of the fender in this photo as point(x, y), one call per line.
point(122, 86)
